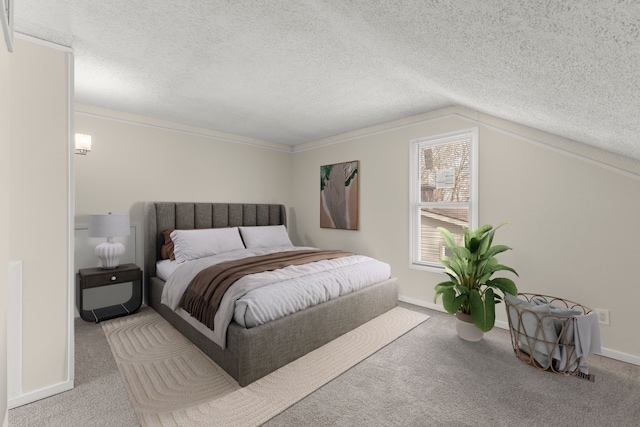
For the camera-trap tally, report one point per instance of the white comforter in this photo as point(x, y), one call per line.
point(259, 298)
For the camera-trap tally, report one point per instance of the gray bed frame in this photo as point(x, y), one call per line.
point(255, 352)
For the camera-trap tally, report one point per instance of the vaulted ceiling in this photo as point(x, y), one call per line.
point(293, 71)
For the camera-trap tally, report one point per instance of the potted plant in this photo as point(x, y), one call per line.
point(470, 291)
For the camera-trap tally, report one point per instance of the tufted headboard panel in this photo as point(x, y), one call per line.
point(160, 216)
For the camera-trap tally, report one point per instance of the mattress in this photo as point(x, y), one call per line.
point(263, 297)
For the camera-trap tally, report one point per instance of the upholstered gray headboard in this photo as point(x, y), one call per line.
point(160, 216)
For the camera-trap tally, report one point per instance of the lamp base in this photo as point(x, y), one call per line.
point(109, 254)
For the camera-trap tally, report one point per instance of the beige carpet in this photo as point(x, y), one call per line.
point(171, 383)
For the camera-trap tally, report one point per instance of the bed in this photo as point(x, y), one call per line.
point(251, 353)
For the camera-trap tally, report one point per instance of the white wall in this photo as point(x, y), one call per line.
point(5, 59)
point(571, 221)
point(38, 234)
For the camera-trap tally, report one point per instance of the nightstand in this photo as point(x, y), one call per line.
point(95, 277)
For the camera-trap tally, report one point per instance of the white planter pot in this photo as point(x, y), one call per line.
point(466, 329)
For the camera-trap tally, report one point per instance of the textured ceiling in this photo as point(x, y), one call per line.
point(296, 71)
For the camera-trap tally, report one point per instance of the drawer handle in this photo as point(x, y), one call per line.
point(113, 278)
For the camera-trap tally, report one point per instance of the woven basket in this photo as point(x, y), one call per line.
point(548, 334)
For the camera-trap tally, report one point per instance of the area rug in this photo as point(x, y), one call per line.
point(172, 383)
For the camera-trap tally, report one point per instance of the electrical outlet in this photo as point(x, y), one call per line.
point(603, 315)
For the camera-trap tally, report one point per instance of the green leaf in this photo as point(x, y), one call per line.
point(488, 268)
point(459, 301)
point(460, 251)
point(452, 271)
point(459, 264)
point(456, 263)
point(444, 261)
point(483, 279)
point(501, 267)
point(453, 278)
point(483, 229)
point(485, 242)
point(448, 237)
point(494, 250)
point(461, 289)
point(468, 234)
point(441, 288)
point(507, 286)
point(450, 302)
point(474, 243)
point(483, 309)
point(445, 284)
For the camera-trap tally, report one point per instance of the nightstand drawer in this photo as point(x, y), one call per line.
point(107, 277)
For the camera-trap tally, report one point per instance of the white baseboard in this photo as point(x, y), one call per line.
point(39, 394)
point(623, 357)
point(606, 352)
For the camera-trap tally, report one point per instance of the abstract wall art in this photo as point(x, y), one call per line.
point(339, 195)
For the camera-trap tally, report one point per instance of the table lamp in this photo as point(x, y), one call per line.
point(109, 226)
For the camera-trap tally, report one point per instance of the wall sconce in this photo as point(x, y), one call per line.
point(109, 226)
point(83, 144)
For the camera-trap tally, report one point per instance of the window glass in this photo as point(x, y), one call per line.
point(443, 192)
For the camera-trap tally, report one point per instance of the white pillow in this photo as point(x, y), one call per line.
point(193, 244)
point(265, 236)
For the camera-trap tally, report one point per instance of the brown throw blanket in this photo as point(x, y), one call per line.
point(203, 295)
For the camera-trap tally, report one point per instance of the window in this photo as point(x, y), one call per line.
point(444, 192)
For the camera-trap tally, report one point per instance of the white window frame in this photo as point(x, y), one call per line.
point(415, 203)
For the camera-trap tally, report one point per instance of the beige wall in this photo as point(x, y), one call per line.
point(571, 221)
point(39, 209)
point(132, 162)
point(5, 58)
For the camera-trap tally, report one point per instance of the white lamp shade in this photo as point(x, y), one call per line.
point(109, 225)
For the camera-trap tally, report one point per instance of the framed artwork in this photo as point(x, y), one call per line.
point(339, 196)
